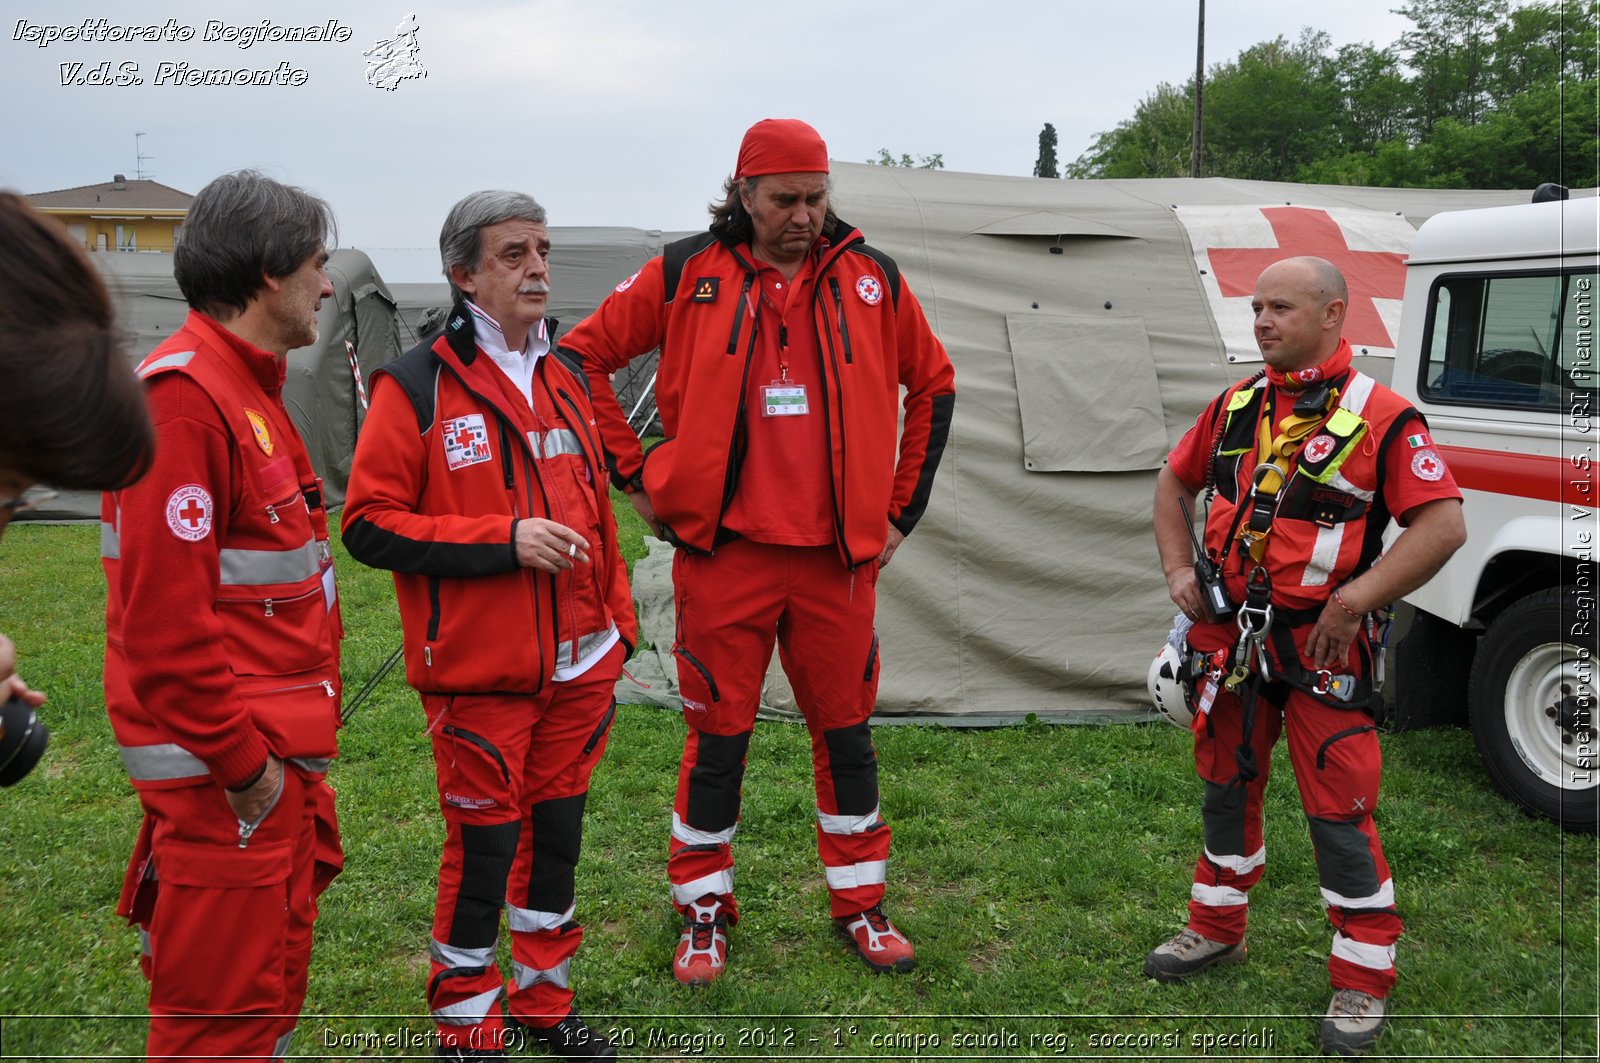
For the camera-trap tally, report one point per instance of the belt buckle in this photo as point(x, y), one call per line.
point(1339, 687)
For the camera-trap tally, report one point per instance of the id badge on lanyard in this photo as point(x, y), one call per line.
point(781, 399)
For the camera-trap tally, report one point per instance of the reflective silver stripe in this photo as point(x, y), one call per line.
point(144, 941)
point(161, 762)
point(1324, 556)
point(1339, 483)
point(1373, 957)
point(1239, 865)
point(531, 920)
point(694, 836)
point(554, 443)
point(110, 541)
point(718, 882)
point(586, 644)
point(866, 873)
point(314, 765)
point(834, 824)
point(1384, 898)
point(1217, 896)
point(281, 1049)
point(255, 567)
point(467, 1012)
point(530, 976)
point(451, 956)
point(1356, 392)
point(166, 361)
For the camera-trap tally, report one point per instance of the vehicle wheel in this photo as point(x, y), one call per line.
point(1427, 684)
point(1532, 704)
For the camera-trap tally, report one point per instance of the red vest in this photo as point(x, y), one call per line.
point(274, 595)
point(1329, 525)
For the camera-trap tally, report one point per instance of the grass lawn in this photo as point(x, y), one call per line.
point(1033, 867)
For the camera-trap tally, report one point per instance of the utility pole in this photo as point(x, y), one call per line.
point(1199, 93)
point(139, 159)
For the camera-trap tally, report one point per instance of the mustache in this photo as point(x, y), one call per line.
point(534, 288)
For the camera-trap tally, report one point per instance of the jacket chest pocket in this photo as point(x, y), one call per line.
point(265, 634)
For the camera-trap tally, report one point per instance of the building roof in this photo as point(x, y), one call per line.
point(116, 194)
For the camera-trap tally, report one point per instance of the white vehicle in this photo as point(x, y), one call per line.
point(1497, 351)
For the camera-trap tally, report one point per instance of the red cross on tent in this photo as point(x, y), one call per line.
point(1307, 231)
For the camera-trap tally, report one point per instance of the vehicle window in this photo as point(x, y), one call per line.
point(1523, 341)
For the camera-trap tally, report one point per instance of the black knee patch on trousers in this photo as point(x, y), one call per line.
point(557, 837)
point(486, 855)
point(1344, 860)
point(715, 780)
point(853, 764)
point(1222, 813)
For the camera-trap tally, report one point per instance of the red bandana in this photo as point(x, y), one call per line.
point(1331, 369)
point(781, 145)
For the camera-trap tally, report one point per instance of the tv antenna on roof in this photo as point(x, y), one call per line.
point(139, 159)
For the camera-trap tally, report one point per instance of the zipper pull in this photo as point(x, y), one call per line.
point(245, 830)
point(327, 684)
point(427, 656)
point(269, 606)
point(272, 514)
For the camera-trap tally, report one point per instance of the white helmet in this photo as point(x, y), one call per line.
point(1166, 690)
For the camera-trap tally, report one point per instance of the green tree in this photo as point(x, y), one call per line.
point(1475, 95)
point(1153, 143)
point(1271, 142)
point(921, 162)
point(1449, 48)
point(1047, 165)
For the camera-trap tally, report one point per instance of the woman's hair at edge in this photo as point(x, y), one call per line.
point(72, 413)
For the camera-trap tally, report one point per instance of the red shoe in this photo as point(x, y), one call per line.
point(703, 947)
point(876, 940)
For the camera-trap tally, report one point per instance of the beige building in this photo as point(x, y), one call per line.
point(119, 215)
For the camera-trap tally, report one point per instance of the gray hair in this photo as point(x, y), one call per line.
point(461, 238)
point(240, 226)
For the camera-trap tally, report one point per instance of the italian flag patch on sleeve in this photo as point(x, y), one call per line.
point(1419, 440)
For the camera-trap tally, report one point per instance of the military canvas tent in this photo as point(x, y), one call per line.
point(319, 388)
point(381, 320)
point(1089, 323)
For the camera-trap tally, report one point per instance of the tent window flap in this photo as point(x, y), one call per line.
point(1088, 395)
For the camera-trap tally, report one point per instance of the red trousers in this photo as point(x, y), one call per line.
point(731, 607)
point(1337, 765)
point(513, 775)
point(226, 930)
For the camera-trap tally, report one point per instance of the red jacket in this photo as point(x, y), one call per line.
point(222, 628)
point(872, 337)
point(449, 459)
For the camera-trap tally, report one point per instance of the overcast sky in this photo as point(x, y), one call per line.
point(610, 112)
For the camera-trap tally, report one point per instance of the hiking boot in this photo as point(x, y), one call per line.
point(1189, 954)
point(703, 946)
point(876, 940)
point(1353, 1023)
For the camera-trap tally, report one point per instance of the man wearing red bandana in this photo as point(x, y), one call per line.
point(1303, 467)
point(786, 484)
